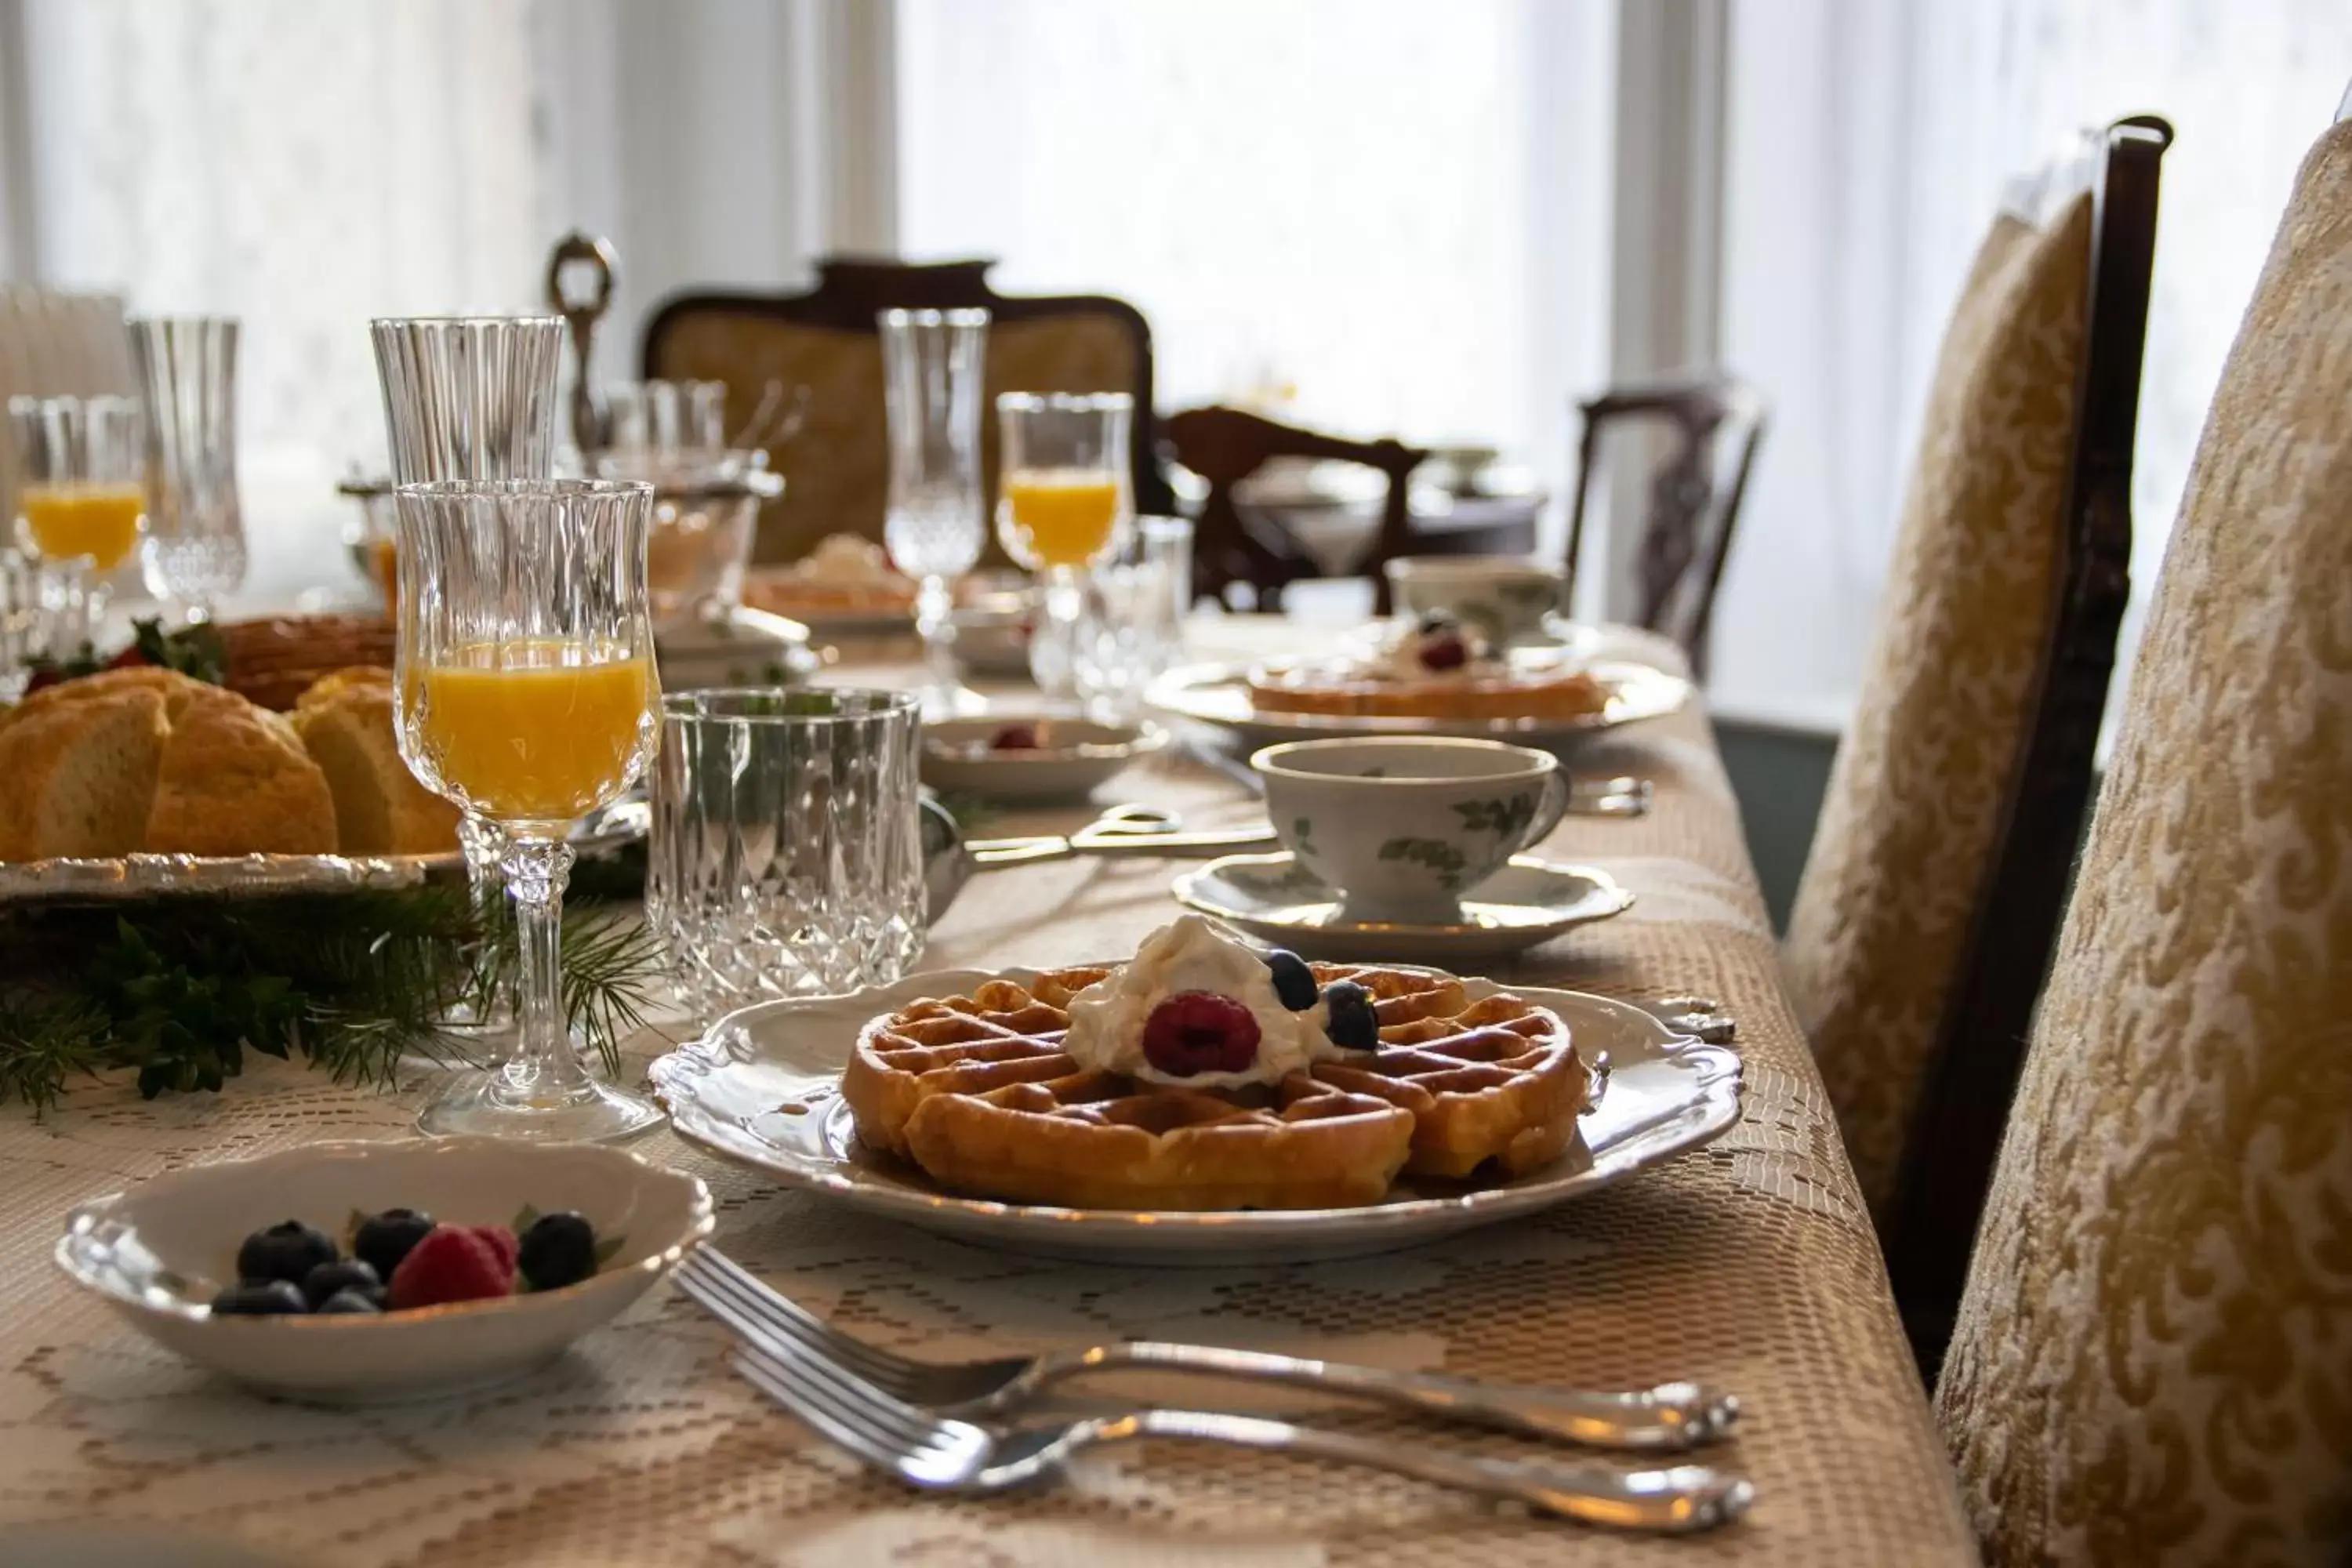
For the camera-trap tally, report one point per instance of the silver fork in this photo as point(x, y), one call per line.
point(1670, 1417)
point(940, 1452)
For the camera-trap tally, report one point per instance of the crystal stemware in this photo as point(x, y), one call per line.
point(196, 528)
point(82, 493)
point(1064, 507)
point(528, 696)
point(937, 519)
point(470, 397)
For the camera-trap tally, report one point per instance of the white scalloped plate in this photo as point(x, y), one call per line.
point(1218, 695)
point(762, 1088)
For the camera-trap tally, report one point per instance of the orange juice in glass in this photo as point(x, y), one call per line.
point(537, 730)
point(1063, 505)
point(528, 699)
point(81, 491)
point(1063, 517)
point(96, 519)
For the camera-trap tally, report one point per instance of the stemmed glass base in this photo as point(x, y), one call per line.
point(943, 694)
point(493, 1105)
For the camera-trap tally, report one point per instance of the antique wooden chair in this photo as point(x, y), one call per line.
point(1226, 446)
point(836, 463)
point(2150, 1364)
point(1924, 922)
point(1715, 425)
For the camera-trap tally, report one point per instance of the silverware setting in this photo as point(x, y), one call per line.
point(1150, 830)
point(872, 1402)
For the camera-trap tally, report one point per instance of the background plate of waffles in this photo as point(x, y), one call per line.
point(1220, 696)
point(764, 1087)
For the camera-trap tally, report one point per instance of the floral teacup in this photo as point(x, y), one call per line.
point(1511, 598)
point(1401, 827)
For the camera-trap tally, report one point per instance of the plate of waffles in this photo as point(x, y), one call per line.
point(1185, 1108)
point(1234, 698)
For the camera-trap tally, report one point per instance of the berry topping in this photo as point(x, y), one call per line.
point(1445, 651)
point(350, 1303)
point(287, 1250)
point(1200, 1031)
point(259, 1298)
point(1351, 1023)
point(328, 1278)
point(1293, 981)
point(559, 1250)
point(503, 1241)
point(1015, 738)
point(383, 1239)
point(455, 1263)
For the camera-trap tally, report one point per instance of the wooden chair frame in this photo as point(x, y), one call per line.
point(1963, 1107)
point(1691, 519)
point(851, 291)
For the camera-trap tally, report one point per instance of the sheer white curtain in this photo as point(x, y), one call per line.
point(302, 166)
point(1390, 215)
point(1868, 148)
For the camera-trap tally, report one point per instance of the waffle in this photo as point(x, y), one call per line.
point(1347, 690)
point(978, 1092)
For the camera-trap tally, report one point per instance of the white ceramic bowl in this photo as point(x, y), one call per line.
point(159, 1252)
point(1071, 757)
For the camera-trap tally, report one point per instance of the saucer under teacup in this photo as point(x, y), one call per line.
point(1276, 900)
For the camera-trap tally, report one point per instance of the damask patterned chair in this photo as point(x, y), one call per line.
point(1926, 913)
point(2153, 1363)
point(836, 464)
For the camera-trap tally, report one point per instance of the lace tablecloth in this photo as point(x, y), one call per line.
point(1750, 1264)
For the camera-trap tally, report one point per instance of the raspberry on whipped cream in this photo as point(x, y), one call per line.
point(1422, 651)
point(1108, 1018)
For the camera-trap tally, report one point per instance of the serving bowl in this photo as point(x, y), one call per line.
point(158, 1252)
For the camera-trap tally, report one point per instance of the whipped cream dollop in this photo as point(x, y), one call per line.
point(1106, 1018)
point(1403, 655)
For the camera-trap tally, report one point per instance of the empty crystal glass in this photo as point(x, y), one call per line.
point(196, 529)
point(527, 695)
point(469, 397)
point(937, 522)
point(785, 857)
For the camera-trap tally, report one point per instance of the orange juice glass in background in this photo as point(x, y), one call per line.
point(80, 477)
point(1063, 516)
point(1064, 507)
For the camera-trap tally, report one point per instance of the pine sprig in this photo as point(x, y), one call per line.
point(352, 982)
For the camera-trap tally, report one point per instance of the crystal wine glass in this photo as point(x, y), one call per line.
point(937, 517)
point(1064, 506)
point(527, 694)
point(469, 397)
point(82, 493)
point(196, 528)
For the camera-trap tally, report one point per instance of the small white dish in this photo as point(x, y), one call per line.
point(158, 1253)
point(762, 1089)
point(1279, 902)
point(1071, 758)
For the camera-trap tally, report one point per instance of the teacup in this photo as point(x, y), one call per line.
point(1508, 598)
point(1400, 826)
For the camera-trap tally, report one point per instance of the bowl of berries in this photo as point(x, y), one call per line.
point(1016, 760)
point(459, 1262)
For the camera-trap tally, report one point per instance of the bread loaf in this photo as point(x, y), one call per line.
point(77, 779)
point(345, 720)
point(216, 774)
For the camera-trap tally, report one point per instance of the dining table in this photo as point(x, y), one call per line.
point(1750, 1264)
